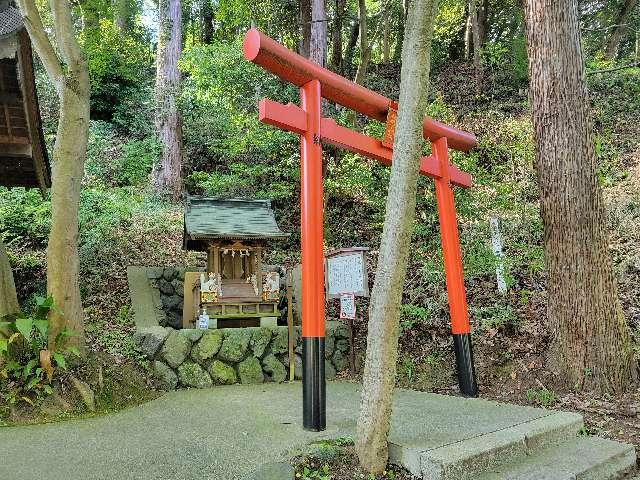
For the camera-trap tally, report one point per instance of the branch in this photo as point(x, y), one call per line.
point(606, 70)
point(65, 33)
point(40, 40)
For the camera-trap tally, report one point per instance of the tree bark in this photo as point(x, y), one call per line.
point(167, 173)
point(384, 310)
point(336, 35)
point(591, 342)
point(207, 22)
point(8, 297)
point(468, 36)
point(69, 154)
point(318, 47)
point(476, 33)
point(122, 14)
point(620, 27)
point(347, 64)
point(397, 53)
point(70, 75)
point(305, 25)
point(386, 32)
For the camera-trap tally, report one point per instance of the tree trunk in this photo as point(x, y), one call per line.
point(365, 49)
point(619, 29)
point(468, 36)
point(384, 310)
point(347, 64)
point(8, 297)
point(591, 340)
point(397, 53)
point(305, 25)
point(476, 29)
point(336, 35)
point(122, 13)
point(318, 48)
point(167, 174)
point(207, 22)
point(69, 155)
point(386, 48)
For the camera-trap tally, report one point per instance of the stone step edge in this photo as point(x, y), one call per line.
point(612, 461)
point(614, 467)
point(464, 459)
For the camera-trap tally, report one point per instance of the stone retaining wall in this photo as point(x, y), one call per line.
point(202, 358)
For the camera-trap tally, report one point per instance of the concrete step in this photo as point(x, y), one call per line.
point(583, 458)
point(467, 457)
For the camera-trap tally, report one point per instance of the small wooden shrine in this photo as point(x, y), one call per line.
point(23, 156)
point(234, 291)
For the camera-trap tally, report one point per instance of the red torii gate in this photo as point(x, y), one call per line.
point(316, 83)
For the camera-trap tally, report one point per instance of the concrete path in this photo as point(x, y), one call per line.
point(226, 433)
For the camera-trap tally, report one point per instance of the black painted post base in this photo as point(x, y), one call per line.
point(314, 396)
point(464, 363)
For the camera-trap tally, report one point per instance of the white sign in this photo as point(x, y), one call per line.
point(345, 273)
point(348, 306)
point(203, 321)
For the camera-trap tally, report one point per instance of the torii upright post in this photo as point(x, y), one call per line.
point(316, 83)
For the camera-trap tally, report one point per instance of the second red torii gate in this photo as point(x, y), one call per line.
point(307, 121)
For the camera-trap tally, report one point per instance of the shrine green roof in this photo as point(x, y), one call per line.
point(235, 219)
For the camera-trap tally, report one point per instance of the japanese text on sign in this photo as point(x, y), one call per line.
point(345, 274)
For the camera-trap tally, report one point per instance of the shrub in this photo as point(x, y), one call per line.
point(27, 364)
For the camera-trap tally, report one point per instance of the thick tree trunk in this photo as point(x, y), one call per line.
point(318, 48)
point(69, 155)
point(365, 48)
point(305, 25)
point(167, 174)
point(207, 22)
point(336, 35)
point(347, 64)
point(8, 297)
point(591, 339)
point(620, 27)
point(384, 310)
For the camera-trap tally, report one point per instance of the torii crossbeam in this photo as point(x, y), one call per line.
point(306, 120)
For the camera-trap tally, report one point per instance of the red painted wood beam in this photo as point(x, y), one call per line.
point(279, 60)
point(293, 119)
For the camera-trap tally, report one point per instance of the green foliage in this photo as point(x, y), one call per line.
point(27, 366)
point(542, 397)
point(118, 65)
point(219, 104)
point(497, 315)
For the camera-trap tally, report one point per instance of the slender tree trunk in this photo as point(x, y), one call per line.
point(70, 75)
point(69, 155)
point(397, 53)
point(365, 49)
point(384, 310)
point(8, 297)
point(318, 48)
point(336, 35)
point(347, 64)
point(305, 25)
point(468, 35)
point(620, 27)
point(122, 14)
point(167, 174)
point(207, 22)
point(476, 29)
point(638, 46)
point(386, 32)
point(591, 343)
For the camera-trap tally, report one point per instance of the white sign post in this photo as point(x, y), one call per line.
point(346, 278)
